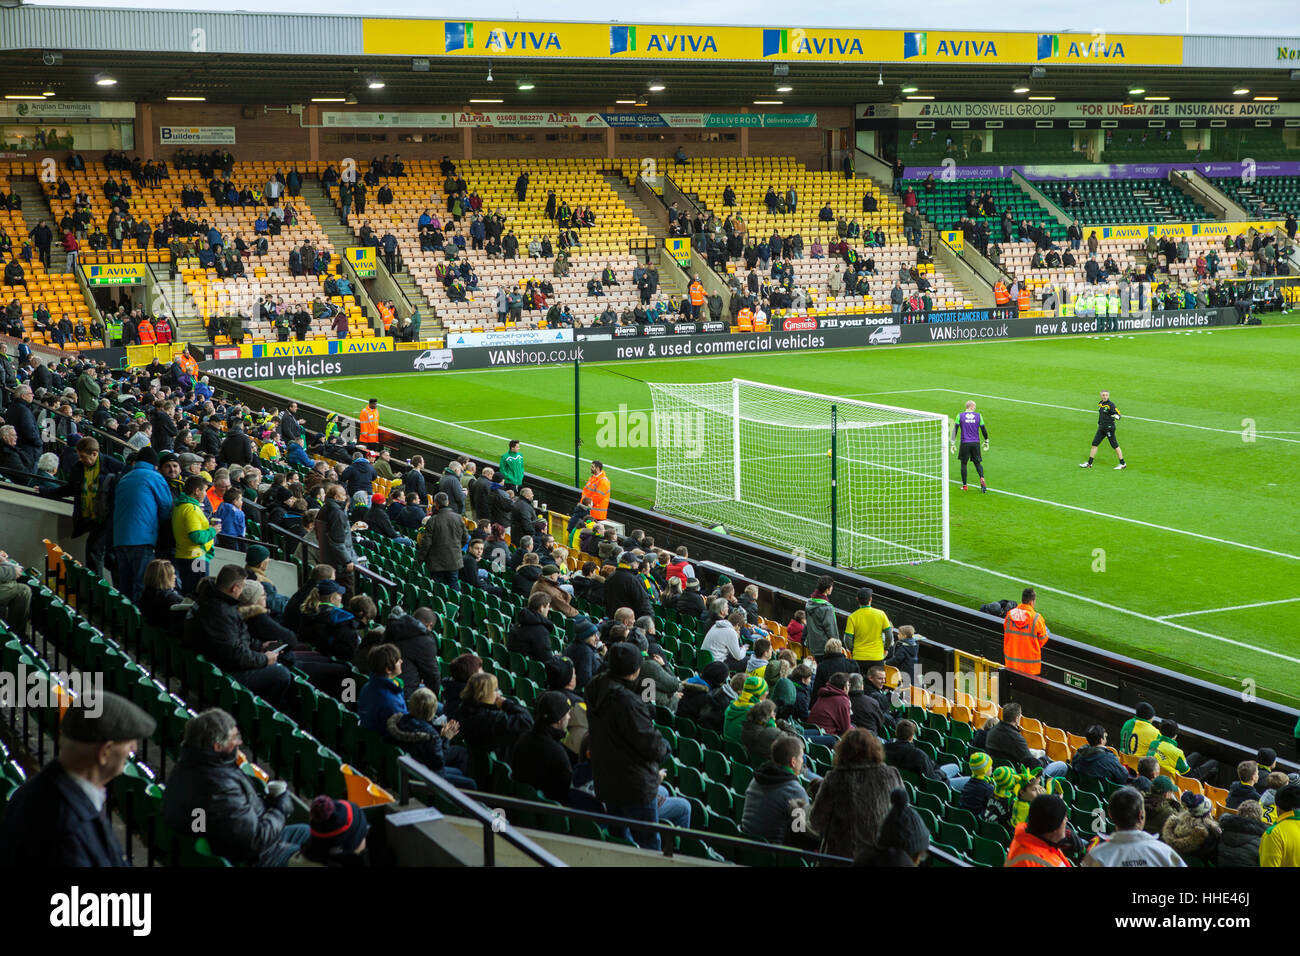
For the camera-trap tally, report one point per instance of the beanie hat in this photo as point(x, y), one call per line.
point(980, 764)
point(1163, 784)
point(551, 706)
point(1196, 804)
point(755, 689)
point(623, 659)
point(1266, 757)
point(902, 828)
point(377, 499)
point(583, 627)
point(1004, 781)
point(715, 674)
point(559, 670)
point(1046, 813)
point(1288, 798)
point(257, 553)
point(337, 826)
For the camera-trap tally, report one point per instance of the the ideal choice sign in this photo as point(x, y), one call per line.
point(828, 332)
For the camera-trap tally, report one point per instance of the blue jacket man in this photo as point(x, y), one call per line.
point(142, 507)
point(358, 476)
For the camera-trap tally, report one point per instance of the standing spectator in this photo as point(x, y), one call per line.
point(20, 415)
point(242, 825)
point(194, 536)
point(596, 490)
point(866, 631)
point(511, 468)
point(1280, 844)
point(91, 483)
point(1024, 632)
point(442, 542)
point(58, 818)
point(854, 798)
point(334, 536)
point(141, 509)
point(821, 624)
point(626, 748)
point(539, 759)
point(1130, 845)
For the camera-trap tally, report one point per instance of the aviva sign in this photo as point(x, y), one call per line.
point(623, 39)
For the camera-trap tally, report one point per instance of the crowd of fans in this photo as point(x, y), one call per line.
point(160, 471)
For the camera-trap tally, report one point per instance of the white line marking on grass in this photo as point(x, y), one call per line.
point(1124, 610)
point(1235, 607)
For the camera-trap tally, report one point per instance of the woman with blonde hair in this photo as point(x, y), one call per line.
point(159, 593)
point(415, 733)
point(490, 723)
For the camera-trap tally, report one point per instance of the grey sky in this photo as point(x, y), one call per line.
point(1267, 18)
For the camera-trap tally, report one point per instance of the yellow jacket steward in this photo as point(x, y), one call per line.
point(1024, 632)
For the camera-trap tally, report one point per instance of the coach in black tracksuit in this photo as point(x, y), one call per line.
point(1107, 417)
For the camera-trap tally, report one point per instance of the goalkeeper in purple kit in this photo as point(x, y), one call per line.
point(970, 426)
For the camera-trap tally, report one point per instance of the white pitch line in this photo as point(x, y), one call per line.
point(1235, 607)
point(1124, 610)
point(973, 567)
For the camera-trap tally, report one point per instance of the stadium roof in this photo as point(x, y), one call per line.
point(277, 58)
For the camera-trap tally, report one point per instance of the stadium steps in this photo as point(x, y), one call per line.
point(644, 214)
point(429, 324)
point(179, 302)
point(35, 208)
point(327, 216)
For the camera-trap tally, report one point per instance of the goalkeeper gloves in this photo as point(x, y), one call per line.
point(952, 446)
point(986, 444)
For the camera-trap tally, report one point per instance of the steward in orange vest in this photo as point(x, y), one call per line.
point(369, 421)
point(1032, 846)
point(1022, 301)
point(148, 336)
point(597, 489)
point(1024, 632)
point(1000, 294)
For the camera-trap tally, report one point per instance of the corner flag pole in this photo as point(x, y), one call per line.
point(577, 425)
point(835, 531)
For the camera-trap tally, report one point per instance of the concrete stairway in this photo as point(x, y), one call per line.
point(643, 213)
point(36, 208)
point(177, 301)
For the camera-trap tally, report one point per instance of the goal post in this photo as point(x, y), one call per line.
point(838, 479)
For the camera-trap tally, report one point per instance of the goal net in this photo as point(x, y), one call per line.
point(756, 459)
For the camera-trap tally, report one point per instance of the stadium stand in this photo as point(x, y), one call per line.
point(1268, 197)
point(1109, 201)
point(947, 204)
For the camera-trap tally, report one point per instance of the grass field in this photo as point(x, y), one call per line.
point(1189, 559)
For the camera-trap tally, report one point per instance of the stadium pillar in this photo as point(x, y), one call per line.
point(577, 419)
point(835, 531)
point(144, 124)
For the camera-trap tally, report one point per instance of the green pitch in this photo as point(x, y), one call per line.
point(1189, 559)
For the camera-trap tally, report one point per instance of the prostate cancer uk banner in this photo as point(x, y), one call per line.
point(646, 41)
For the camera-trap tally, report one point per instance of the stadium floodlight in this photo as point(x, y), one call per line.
point(628, 102)
point(375, 82)
point(105, 79)
point(909, 88)
point(873, 479)
point(1156, 99)
point(24, 96)
point(919, 97)
point(1021, 88)
point(525, 85)
point(656, 86)
point(187, 99)
point(768, 102)
point(487, 100)
point(1043, 98)
point(787, 88)
point(1265, 99)
point(1136, 91)
point(1241, 91)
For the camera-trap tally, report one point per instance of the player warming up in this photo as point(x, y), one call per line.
point(970, 426)
point(1107, 416)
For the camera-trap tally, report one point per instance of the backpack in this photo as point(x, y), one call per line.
point(997, 608)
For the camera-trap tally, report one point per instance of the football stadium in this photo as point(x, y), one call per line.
point(586, 443)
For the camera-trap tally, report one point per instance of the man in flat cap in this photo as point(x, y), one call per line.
point(58, 818)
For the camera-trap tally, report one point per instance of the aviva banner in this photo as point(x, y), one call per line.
point(122, 273)
point(363, 260)
point(603, 41)
point(315, 347)
point(1178, 230)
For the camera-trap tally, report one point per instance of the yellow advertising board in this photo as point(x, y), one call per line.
point(363, 260)
point(602, 41)
point(118, 273)
point(954, 240)
point(349, 346)
point(1179, 230)
point(680, 249)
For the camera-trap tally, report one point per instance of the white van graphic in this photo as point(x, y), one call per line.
point(434, 358)
point(885, 335)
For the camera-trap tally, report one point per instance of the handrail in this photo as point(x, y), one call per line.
point(493, 825)
point(660, 829)
point(286, 533)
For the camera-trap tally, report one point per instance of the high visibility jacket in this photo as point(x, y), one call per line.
point(164, 331)
point(1024, 632)
point(1028, 850)
point(1000, 295)
point(146, 332)
point(597, 490)
point(745, 317)
point(1022, 300)
point(697, 293)
point(369, 420)
point(386, 313)
point(1114, 303)
point(190, 366)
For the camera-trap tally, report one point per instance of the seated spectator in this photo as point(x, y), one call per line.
point(1161, 804)
point(459, 671)
point(1243, 788)
point(531, 633)
point(326, 625)
point(242, 825)
point(1193, 831)
point(775, 790)
point(723, 638)
point(1038, 841)
point(381, 696)
point(415, 732)
point(338, 833)
point(215, 629)
point(1130, 845)
point(853, 799)
point(489, 723)
point(830, 709)
point(159, 594)
point(1147, 771)
point(903, 753)
point(903, 839)
point(1240, 835)
point(539, 758)
point(833, 660)
point(1096, 761)
point(753, 690)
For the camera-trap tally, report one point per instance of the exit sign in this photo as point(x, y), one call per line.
point(1075, 681)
